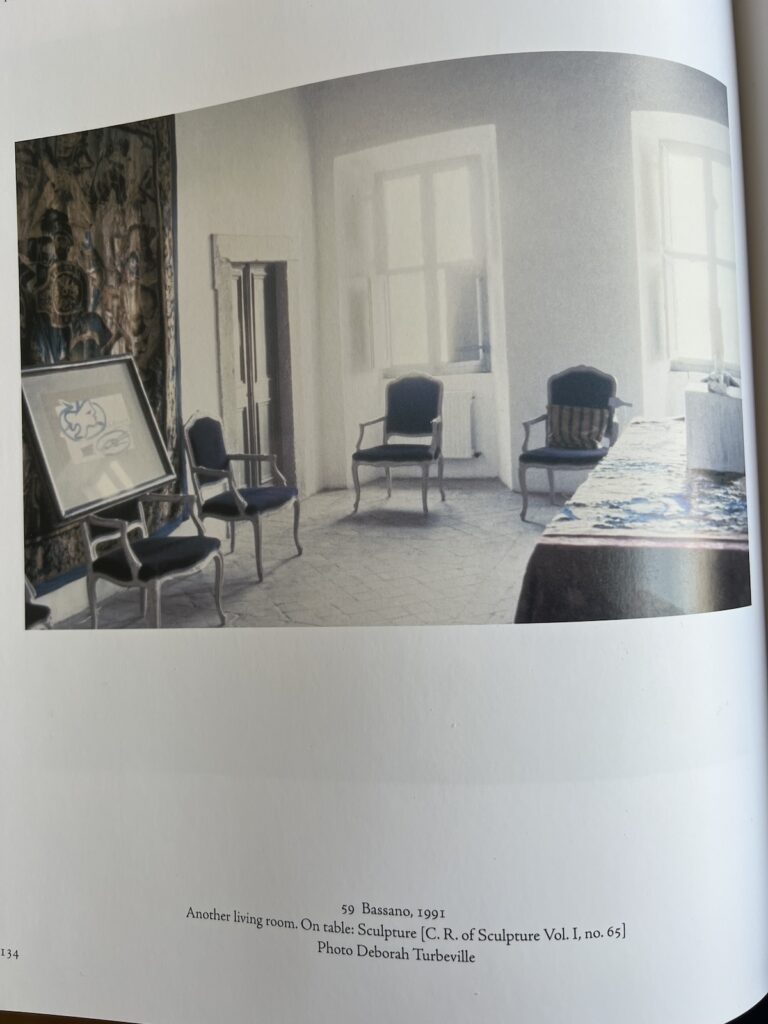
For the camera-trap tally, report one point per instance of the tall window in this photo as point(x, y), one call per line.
point(699, 257)
point(431, 256)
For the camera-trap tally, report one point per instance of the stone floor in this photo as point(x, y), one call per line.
point(387, 565)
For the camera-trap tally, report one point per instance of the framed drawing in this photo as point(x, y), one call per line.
point(96, 433)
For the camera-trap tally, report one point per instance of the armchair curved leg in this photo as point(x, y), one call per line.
point(90, 583)
point(440, 464)
point(156, 614)
point(356, 480)
point(522, 470)
point(231, 532)
point(389, 482)
point(151, 603)
point(218, 562)
point(296, 514)
point(424, 486)
point(257, 545)
point(551, 478)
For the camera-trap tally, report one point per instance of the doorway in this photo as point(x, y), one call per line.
point(263, 401)
point(254, 356)
point(257, 282)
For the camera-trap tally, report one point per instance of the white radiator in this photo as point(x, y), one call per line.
point(457, 425)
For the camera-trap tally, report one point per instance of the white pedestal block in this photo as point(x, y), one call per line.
point(714, 430)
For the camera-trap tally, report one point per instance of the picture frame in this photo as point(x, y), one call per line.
point(97, 436)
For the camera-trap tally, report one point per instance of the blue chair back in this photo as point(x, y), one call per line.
point(206, 441)
point(412, 403)
point(582, 386)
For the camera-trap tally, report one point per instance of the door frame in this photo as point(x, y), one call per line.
point(227, 251)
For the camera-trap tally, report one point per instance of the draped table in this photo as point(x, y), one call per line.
point(642, 536)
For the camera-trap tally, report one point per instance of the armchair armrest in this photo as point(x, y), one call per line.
point(117, 529)
point(437, 435)
point(157, 497)
point(188, 500)
point(115, 526)
point(212, 474)
point(234, 490)
point(367, 423)
point(613, 432)
point(527, 424)
point(272, 459)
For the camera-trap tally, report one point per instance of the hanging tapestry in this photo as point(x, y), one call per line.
point(96, 279)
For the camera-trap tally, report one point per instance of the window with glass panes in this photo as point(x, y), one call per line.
point(431, 256)
point(699, 258)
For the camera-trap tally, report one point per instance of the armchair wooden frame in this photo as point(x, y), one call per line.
point(567, 462)
point(434, 455)
point(102, 531)
point(202, 475)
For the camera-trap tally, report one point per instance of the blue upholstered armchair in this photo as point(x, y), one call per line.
point(580, 424)
point(211, 463)
point(119, 549)
point(413, 405)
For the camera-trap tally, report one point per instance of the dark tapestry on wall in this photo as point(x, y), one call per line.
point(96, 279)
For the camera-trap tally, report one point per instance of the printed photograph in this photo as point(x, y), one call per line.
point(449, 344)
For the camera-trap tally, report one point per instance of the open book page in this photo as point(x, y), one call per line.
point(439, 692)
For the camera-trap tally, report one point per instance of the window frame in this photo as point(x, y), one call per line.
point(709, 155)
point(431, 266)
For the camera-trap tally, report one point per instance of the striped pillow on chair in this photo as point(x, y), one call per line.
point(575, 426)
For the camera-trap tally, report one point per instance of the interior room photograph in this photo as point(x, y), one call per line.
point(454, 343)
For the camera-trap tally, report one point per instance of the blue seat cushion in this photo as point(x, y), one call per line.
point(34, 614)
point(576, 457)
point(394, 453)
point(258, 499)
point(158, 556)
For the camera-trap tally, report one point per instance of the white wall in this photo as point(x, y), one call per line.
point(244, 169)
point(563, 129)
point(566, 201)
